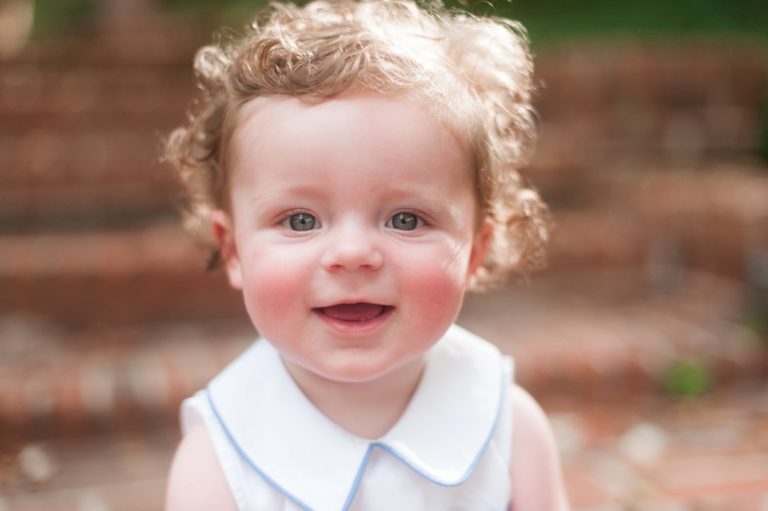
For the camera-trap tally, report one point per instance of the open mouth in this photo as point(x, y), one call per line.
point(354, 312)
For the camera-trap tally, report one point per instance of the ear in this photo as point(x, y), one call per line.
point(223, 231)
point(480, 247)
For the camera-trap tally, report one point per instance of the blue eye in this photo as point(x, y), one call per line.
point(301, 222)
point(404, 221)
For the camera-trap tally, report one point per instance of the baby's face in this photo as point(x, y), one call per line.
point(351, 231)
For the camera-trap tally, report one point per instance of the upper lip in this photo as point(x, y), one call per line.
point(347, 302)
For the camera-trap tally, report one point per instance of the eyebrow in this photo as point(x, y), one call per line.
point(301, 190)
point(435, 201)
point(406, 193)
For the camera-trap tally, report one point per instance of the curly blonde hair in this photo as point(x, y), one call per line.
point(474, 73)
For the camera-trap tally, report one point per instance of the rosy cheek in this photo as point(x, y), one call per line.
point(436, 287)
point(273, 282)
point(437, 290)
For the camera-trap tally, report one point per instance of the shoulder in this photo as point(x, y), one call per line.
point(535, 471)
point(196, 481)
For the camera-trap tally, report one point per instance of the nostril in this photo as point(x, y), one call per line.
point(353, 257)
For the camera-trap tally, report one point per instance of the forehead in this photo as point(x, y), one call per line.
point(361, 134)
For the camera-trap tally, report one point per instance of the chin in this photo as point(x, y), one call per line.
point(367, 370)
point(354, 373)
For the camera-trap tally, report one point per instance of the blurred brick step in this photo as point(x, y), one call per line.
point(570, 340)
point(707, 453)
point(55, 381)
point(33, 95)
point(713, 220)
point(83, 176)
point(119, 277)
point(686, 73)
point(603, 104)
point(116, 472)
point(160, 41)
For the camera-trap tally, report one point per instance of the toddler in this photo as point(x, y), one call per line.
point(353, 165)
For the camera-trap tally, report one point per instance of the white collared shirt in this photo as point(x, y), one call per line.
point(449, 451)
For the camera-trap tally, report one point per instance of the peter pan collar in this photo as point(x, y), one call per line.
point(318, 465)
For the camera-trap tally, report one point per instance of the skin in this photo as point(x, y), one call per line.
point(362, 198)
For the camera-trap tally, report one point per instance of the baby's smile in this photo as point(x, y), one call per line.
point(354, 312)
point(356, 317)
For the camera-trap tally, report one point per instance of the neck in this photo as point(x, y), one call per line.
point(367, 409)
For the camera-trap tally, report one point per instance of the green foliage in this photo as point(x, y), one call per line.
point(687, 378)
point(56, 15)
point(757, 323)
point(552, 21)
point(762, 146)
point(557, 20)
point(229, 12)
point(548, 21)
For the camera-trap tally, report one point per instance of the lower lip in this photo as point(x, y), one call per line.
point(355, 327)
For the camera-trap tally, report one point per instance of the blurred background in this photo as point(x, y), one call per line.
point(646, 338)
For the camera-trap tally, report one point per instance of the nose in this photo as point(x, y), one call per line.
point(352, 249)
